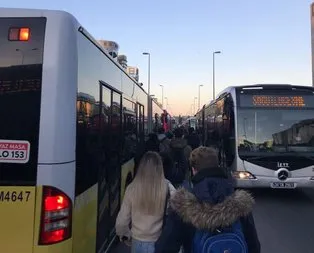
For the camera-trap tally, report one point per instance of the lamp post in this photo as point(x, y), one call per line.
point(149, 106)
point(199, 96)
point(162, 95)
point(214, 53)
point(148, 84)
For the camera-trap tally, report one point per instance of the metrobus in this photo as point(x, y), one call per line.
point(190, 122)
point(264, 134)
point(72, 120)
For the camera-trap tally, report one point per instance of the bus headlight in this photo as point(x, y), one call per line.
point(243, 175)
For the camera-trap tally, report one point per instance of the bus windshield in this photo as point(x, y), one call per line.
point(280, 130)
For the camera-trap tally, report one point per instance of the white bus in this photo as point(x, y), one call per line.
point(264, 134)
point(71, 121)
point(190, 122)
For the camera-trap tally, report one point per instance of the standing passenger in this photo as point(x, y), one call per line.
point(144, 205)
point(164, 146)
point(180, 152)
point(209, 210)
point(193, 139)
point(152, 144)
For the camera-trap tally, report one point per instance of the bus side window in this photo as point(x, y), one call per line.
point(229, 133)
point(140, 123)
point(87, 134)
point(129, 130)
point(218, 133)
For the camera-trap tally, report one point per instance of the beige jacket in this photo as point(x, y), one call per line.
point(144, 227)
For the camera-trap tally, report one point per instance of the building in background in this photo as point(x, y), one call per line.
point(123, 61)
point(133, 72)
point(110, 46)
point(113, 49)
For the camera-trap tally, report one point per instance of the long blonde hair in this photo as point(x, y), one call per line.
point(150, 186)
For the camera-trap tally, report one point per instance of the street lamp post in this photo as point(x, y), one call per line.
point(148, 84)
point(149, 106)
point(214, 53)
point(199, 96)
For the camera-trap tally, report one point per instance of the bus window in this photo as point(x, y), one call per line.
point(20, 99)
point(129, 130)
point(140, 122)
point(87, 134)
point(113, 158)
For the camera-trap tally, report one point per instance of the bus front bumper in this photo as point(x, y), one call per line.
point(274, 182)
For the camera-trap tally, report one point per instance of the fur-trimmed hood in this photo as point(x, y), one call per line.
point(204, 215)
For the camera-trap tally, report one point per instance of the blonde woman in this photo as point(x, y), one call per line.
point(144, 205)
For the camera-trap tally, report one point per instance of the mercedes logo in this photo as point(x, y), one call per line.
point(283, 174)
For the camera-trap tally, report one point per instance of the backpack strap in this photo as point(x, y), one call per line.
point(166, 205)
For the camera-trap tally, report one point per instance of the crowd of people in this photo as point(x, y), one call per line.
point(181, 198)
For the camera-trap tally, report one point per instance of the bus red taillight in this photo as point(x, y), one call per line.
point(19, 34)
point(56, 218)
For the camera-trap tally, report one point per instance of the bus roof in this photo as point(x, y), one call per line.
point(265, 87)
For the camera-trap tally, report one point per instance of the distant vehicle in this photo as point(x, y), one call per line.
point(174, 123)
point(189, 122)
point(72, 120)
point(264, 134)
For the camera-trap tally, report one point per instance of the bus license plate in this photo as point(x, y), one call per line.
point(283, 185)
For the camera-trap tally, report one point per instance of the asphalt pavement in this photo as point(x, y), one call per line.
point(284, 220)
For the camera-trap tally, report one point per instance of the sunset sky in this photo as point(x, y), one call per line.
point(262, 41)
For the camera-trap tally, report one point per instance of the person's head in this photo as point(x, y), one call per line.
point(150, 185)
point(178, 133)
point(152, 143)
point(203, 158)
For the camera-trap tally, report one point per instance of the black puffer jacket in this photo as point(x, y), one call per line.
point(213, 203)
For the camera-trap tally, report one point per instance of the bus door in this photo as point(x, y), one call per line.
point(140, 123)
point(109, 176)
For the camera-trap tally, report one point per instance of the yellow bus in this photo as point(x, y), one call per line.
point(71, 122)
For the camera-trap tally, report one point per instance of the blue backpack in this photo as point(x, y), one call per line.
point(227, 240)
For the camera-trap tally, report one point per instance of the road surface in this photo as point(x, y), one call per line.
point(284, 220)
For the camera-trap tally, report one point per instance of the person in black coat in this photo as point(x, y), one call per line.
point(208, 202)
point(193, 139)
